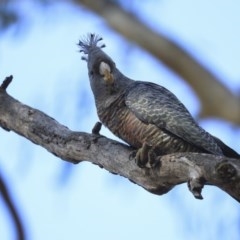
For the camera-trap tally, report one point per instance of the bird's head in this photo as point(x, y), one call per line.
point(101, 67)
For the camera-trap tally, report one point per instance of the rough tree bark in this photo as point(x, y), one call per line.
point(195, 169)
point(216, 99)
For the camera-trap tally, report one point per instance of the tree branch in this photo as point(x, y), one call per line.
point(217, 100)
point(174, 169)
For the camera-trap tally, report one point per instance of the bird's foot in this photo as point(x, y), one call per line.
point(146, 157)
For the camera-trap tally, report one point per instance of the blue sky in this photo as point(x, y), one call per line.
point(60, 201)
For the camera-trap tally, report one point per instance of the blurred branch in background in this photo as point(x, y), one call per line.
point(7, 18)
point(10, 15)
point(216, 99)
point(20, 235)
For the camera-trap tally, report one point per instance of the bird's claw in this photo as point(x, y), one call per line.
point(132, 155)
point(145, 157)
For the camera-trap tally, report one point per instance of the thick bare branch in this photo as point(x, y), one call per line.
point(196, 169)
point(217, 100)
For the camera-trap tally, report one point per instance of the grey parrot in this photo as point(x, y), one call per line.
point(143, 113)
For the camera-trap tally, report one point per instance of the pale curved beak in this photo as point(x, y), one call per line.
point(108, 77)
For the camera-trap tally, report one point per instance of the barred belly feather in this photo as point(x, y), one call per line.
point(124, 124)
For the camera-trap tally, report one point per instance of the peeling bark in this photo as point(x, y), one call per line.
point(194, 168)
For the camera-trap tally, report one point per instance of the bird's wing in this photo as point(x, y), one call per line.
point(154, 104)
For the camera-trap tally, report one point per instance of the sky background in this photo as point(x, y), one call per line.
point(58, 200)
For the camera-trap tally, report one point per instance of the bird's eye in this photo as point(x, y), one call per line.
point(91, 72)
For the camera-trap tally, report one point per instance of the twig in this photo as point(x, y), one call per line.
point(6, 82)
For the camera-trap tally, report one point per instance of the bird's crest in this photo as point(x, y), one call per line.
point(89, 42)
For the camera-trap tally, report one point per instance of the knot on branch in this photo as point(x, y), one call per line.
point(195, 185)
point(226, 170)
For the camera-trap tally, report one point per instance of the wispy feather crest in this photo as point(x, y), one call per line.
point(90, 41)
